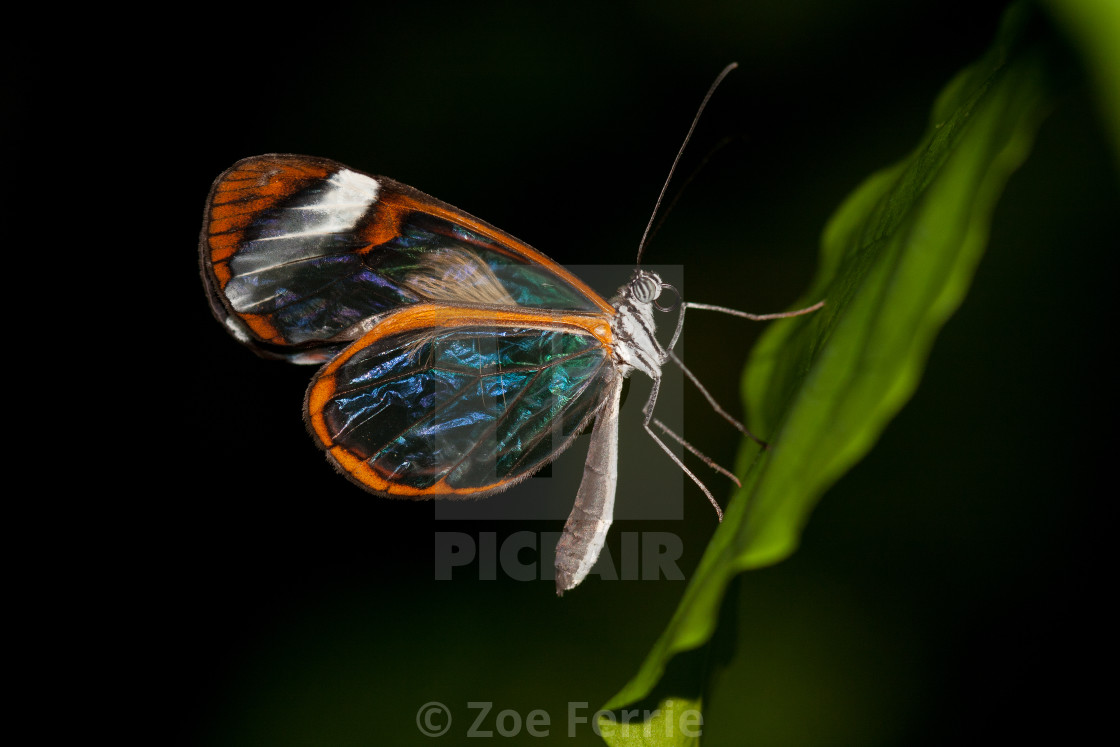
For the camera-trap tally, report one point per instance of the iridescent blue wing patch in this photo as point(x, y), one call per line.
point(423, 406)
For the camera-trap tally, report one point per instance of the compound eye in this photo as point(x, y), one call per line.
point(646, 287)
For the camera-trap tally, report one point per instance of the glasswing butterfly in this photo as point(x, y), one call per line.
point(450, 350)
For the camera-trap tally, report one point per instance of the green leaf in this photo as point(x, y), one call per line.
point(1094, 26)
point(896, 261)
point(674, 722)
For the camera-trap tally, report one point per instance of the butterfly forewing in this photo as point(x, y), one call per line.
point(298, 252)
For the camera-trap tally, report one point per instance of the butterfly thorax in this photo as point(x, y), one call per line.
point(636, 345)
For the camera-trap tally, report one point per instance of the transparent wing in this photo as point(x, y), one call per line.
point(300, 253)
point(420, 409)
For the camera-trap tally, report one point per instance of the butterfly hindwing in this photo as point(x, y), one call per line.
point(423, 407)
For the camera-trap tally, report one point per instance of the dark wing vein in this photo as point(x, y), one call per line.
point(493, 428)
point(427, 366)
point(587, 383)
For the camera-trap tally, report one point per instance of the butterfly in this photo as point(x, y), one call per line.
point(451, 353)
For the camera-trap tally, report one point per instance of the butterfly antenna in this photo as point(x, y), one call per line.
point(684, 186)
point(673, 168)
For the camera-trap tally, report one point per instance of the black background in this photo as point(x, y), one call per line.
point(946, 588)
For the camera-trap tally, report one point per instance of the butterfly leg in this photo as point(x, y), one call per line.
point(712, 401)
point(670, 355)
point(696, 452)
point(735, 312)
point(647, 416)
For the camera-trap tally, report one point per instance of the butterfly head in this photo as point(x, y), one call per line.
point(646, 287)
